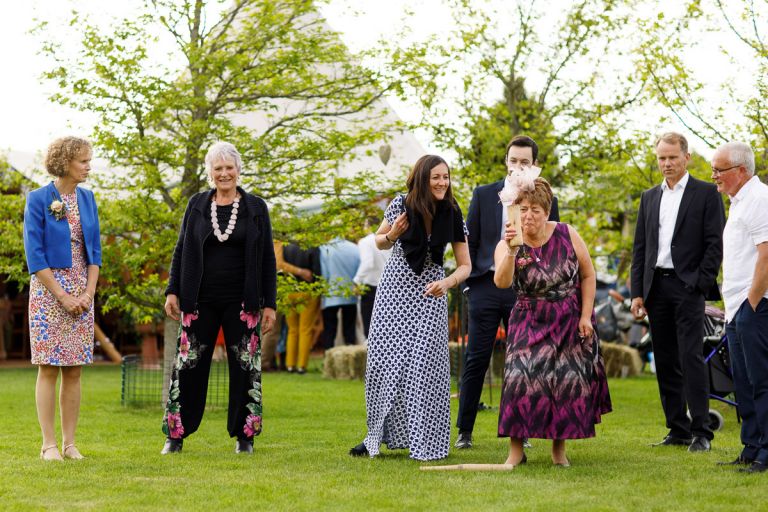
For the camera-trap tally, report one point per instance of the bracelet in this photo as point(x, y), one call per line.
point(455, 279)
point(386, 235)
point(88, 295)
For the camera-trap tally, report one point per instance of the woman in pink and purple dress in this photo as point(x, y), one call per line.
point(63, 250)
point(554, 380)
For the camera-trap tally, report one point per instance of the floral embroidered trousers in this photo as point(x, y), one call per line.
point(191, 368)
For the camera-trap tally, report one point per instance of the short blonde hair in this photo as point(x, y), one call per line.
point(62, 151)
point(673, 138)
point(541, 195)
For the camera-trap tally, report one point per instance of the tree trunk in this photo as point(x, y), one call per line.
point(170, 337)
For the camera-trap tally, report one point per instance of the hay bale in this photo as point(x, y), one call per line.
point(345, 362)
point(620, 360)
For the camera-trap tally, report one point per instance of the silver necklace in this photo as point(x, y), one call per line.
point(232, 220)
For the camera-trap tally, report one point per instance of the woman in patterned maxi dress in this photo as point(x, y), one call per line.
point(407, 388)
point(61, 241)
point(554, 380)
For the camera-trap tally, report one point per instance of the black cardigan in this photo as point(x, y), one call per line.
point(260, 285)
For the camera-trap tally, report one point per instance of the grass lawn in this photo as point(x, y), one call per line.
point(300, 461)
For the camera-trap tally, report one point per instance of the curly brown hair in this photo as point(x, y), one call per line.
point(541, 195)
point(62, 152)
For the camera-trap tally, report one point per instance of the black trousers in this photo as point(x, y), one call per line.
point(676, 317)
point(189, 379)
point(488, 306)
point(366, 308)
point(331, 324)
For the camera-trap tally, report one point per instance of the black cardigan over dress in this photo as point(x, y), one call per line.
point(260, 283)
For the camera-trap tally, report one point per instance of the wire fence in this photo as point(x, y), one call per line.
point(142, 383)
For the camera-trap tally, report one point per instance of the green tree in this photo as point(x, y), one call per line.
point(735, 76)
point(553, 72)
point(559, 84)
point(266, 75)
point(11, 224)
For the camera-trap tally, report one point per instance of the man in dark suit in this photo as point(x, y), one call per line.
point(677, 253)
point(487, 304)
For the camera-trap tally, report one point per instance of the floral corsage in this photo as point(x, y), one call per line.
point(525, 258)
point(57, 208)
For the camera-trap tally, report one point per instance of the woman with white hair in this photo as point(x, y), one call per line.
point(222, 275)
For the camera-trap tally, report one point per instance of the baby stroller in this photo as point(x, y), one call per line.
point(718, 363)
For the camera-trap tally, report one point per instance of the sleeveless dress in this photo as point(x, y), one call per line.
point(407, 375)
point(554, 384)
point(58, 338)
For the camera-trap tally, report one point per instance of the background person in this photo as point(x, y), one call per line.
point(63, 248)
point(676, 255)
point(223, 275)
point(554, 379)
point(372, 261)
point(407, 377)
point(302, 316)
point(339, 260)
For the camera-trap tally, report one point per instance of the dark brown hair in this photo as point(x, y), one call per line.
point(540, 195)
point(523, 141)
point(420, 198)
point(62, 152)
point(673, 138)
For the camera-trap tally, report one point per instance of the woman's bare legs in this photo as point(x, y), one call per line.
point(516, 453)
point(45, 399)
point(558, 452)
point(69, 402)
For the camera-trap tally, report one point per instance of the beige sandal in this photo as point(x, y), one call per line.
point(44, 449)
point(77, 456)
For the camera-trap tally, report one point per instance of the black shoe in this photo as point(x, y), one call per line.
point(301, 371)
point(359, 450)
point(172, 446)
point(244, 446)
point(738, 461)
point(755, 467)
point(673, 441)
point(464, 440)
point(527, 443)
point(699, 444)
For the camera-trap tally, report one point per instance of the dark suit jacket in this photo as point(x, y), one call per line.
point(697, 241)
point(484, 225)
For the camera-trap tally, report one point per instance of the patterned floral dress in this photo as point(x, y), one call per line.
point(554, 384)
point(57, 337)
point(407, 377)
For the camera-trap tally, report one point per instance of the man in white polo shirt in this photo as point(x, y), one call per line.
point(745, 292)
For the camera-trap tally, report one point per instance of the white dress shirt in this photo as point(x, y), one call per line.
point(670, 205)
point(372, 261)
point(746, 228)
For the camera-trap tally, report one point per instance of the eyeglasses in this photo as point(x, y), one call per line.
point(718, 172)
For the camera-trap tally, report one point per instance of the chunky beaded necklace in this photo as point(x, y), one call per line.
point(232, 220)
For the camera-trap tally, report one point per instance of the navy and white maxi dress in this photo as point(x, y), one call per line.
point(407, 377)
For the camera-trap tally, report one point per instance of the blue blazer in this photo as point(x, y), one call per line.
point(47, 240)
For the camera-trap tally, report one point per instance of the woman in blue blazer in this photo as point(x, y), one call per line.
point(63, 249)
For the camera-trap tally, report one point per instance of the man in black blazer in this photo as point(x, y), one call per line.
point(487, 304)
point(676, 256)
